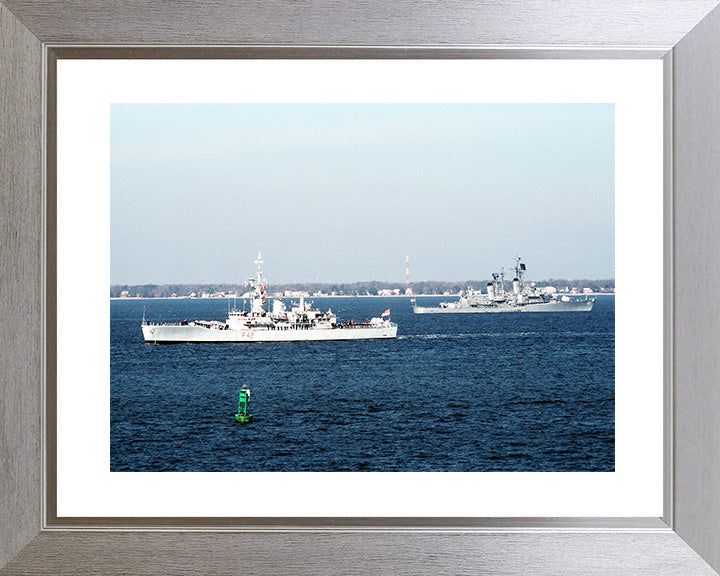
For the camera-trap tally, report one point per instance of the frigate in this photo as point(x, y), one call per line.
point(299, 323)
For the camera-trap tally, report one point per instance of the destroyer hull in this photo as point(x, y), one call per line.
point(178, 334)
point(572, 306)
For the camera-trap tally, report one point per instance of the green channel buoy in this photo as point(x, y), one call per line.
point(243, 416)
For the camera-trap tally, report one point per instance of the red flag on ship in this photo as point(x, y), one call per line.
point(386, 313)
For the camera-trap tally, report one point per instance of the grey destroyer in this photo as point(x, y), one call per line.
point(300, 323)
point(523, 297)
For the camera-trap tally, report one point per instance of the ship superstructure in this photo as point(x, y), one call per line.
point(262, 323)
point(523, 297)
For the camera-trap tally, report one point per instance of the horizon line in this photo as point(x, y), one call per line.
point(401, 282)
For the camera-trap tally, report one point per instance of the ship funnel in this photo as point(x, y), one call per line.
point(516, 286)
point(490, 291)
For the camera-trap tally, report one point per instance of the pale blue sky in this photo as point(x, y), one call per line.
point(343, 192)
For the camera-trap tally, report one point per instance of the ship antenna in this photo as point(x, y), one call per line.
point(260, 289)
point(143, 314)
point(259, 263)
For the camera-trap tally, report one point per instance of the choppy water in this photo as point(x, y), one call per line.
point(467, 392)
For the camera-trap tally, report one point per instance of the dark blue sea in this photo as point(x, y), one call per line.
point(466, 392)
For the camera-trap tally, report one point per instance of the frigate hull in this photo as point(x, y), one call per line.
point(183, 334)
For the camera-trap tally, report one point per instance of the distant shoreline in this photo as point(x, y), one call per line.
point(364, 289)
point(327, 296)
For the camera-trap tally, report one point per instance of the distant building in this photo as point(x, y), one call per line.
point(296, 294)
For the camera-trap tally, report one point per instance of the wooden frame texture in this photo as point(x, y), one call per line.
point(685, 33)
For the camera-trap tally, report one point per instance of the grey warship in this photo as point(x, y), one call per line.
point(522, 298)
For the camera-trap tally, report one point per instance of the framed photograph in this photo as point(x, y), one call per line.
point(126, 160)
point(471, 393)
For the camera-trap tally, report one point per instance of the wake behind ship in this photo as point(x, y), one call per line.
point(301, 323)
point(522, 298)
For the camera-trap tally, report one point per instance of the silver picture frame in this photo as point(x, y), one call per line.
point(685, 34)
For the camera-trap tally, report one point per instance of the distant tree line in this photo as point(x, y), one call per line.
point(341, 289)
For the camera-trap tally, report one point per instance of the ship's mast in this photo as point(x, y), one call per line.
point(519, 271)
point(258, 300)
point(259, 263)
point(498, 288)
